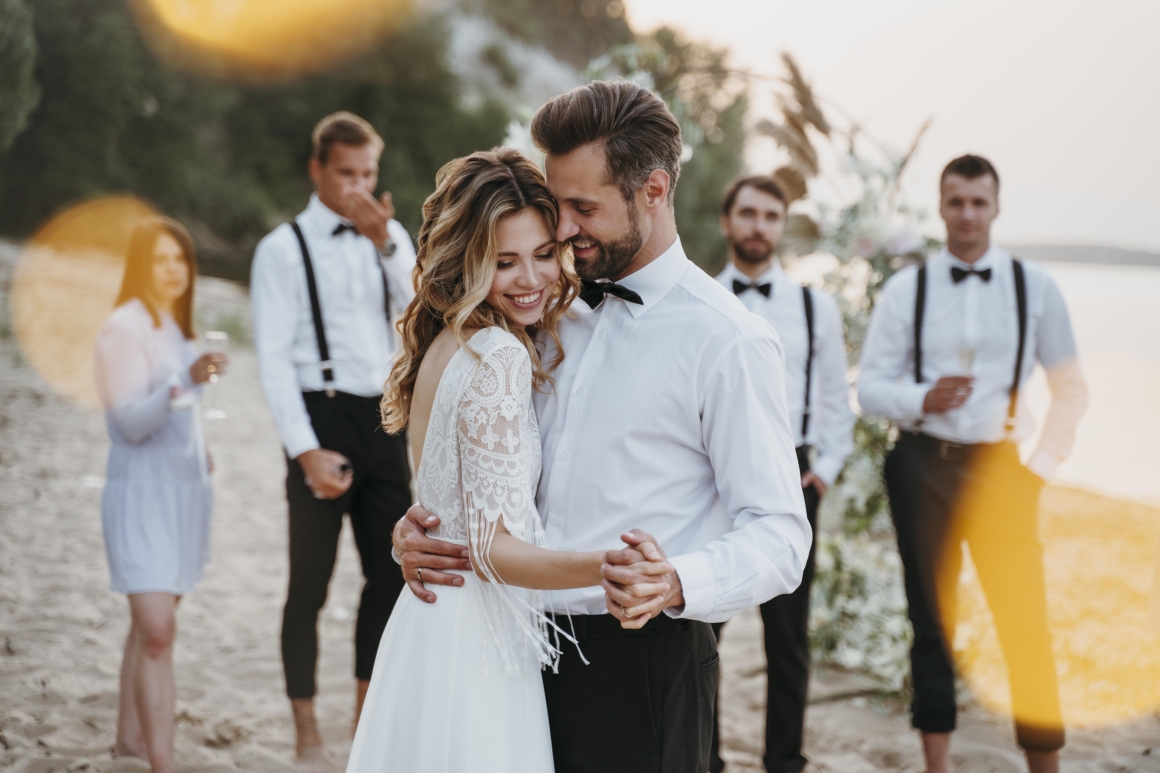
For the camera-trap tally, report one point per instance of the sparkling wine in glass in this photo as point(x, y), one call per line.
point(216, 342)
point(967, 359)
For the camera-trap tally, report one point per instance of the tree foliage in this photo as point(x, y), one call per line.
point(18, 90)
point(575, 31)
point(227, 158)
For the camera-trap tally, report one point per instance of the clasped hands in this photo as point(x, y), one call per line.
point(638, 581)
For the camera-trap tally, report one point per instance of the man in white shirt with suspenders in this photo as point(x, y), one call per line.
point(949, 345)
point(325, 288)
point(753, 216)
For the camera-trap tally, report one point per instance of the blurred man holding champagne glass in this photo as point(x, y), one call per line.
point(948, 348)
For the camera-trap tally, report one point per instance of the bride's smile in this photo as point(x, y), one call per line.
point(527, 264)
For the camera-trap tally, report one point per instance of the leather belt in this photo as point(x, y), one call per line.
point(947, 450)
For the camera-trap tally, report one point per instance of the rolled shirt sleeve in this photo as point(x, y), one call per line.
point(751, 448)
point(883, 389)
point(1056, 350)
point(273, 292)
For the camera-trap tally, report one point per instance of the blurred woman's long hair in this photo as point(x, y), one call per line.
point(138, 280)
point(456, 262)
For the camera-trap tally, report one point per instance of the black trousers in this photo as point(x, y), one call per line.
point(644, 702)
point(787, 654)
point(942, 495)
point(379, 495)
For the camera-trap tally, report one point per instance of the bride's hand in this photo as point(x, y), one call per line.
point(638, 582)
point(641, 579)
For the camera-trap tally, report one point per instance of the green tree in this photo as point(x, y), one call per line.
point(229, 159)
point(18, 90)
point(111, 119)
point(574, 31)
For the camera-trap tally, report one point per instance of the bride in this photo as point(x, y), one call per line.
point(456, 685)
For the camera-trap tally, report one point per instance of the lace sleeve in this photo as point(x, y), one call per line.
point(494, 435)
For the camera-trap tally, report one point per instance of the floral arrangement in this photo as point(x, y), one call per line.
point(858, 217)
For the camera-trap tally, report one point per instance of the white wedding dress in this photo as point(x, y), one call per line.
point(456, 685)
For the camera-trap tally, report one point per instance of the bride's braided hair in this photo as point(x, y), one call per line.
point(456, 262)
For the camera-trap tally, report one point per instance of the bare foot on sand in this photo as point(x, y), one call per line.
point(316, 759)
point(124, 751)
point(311, 751)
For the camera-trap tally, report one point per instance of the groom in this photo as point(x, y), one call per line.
point(668, 414)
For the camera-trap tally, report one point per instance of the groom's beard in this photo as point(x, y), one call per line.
point(612, 258)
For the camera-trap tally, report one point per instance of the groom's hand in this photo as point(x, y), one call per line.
point(419, 554)
point(623, 582)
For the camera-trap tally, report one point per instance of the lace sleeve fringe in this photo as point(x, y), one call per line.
point(498, 478)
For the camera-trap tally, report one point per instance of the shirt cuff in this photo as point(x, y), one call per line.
point(828, 467)
point(1043, 464)
point(696, 574)
point(300, 442)
point(911, 401)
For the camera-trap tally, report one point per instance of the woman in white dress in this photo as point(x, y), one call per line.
point(155, 508)
point(456, 685)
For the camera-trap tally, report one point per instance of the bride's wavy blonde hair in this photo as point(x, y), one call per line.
point(456, 262)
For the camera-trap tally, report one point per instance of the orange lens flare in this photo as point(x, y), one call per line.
point(1097, 642)
point(65, 287)
point(267, 38)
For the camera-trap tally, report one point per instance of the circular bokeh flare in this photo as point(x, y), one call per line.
point(257, 39)
point(65, 286)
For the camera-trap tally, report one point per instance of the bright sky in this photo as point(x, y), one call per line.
point(1062, 95)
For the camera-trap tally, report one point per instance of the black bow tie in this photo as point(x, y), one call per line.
point(341, 227)
point(593, 293)
point(740, 287)
point(959, 274)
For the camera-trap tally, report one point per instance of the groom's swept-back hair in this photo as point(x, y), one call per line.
point(634, 125)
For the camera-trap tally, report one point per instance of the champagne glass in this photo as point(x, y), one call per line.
point(216, 342)
point(967, 359)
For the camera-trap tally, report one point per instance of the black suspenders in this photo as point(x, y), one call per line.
point(808, 301)
point(1021, 302)
point(919, 312)
point(316, 310)
point(1021, 305)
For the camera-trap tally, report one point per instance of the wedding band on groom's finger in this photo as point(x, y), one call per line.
point(420, 574)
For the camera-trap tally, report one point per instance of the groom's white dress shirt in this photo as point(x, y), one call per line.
point(831, 422)
point(670, 416)
point(350, 294)
point(979, 315)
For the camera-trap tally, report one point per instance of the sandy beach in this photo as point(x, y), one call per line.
point(62, 630)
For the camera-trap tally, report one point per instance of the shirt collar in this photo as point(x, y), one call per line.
point(990, 259)
point(771, 276)
point(323, 216)
point(654, 281)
